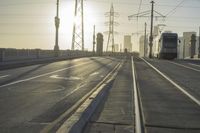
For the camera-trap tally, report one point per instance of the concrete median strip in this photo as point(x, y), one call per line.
point(76, 122)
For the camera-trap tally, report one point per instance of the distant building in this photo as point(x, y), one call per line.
point(116, 48)
point(99, 47)
point(184, 47)
point(127, 43)
point(197, 46)
point(187, 44)
point(143, 48)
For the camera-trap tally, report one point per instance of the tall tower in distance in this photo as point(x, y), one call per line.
point(111, 23)
point(127, 43)
point(78, 28)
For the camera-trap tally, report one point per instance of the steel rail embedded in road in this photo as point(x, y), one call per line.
point(175, 84)
point(75, 107)
point(139, 125)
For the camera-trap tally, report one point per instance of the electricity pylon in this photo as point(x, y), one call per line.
point(78, 28)
point(111, 23)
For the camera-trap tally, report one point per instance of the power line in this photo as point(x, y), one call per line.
point(139, 6)
point(167, 14)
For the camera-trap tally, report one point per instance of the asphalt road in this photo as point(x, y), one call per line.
point(35, 96)
point(165, 108)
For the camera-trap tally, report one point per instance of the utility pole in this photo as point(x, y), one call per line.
point(184, 49)
point(94, 39)
point(57, 23)
point(78, 28)
point(151, 30)
point(199, 44)
point(145, 14)
point(145, 36)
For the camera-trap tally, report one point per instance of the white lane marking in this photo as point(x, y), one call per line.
point(42, 75)
point(95, 73)
point(175, 84)
point(194, 64)
point(65, 78)
point(185, 66)
point(137, 109)
point(4, 76)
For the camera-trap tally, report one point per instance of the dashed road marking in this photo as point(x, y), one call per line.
point(71, 78)
point(95, 73)
point(4, 76)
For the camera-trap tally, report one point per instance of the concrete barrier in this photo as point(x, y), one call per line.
point(10, 58)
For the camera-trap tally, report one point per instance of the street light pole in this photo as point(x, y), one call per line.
point(94, 39)
point(57, 23)
point(199, 44)
point(151, 31)
point(145, 36)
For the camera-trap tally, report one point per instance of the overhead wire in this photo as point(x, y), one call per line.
point(177, 6)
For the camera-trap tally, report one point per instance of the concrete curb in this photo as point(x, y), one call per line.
point(77, 122)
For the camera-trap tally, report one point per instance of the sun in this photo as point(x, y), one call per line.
point(67, 20)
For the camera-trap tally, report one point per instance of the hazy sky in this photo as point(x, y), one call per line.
point(30, 23)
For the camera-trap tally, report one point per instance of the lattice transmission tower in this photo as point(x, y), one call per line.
point(111, 32)
point(78, 28)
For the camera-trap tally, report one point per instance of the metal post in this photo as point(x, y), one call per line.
point(199, 44)
point(94, 39)
point(145, 36)
point(57, 23)
point(82, 23)
point(184, 49)
point(151, 30)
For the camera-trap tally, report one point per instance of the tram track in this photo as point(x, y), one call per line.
point(144, 122)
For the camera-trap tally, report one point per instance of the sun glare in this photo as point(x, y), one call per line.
point(67, 20)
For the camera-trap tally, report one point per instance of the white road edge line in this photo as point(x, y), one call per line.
point(4, 76)
point(42, 75)
point(185, 66)
point(137, 110)
point(175, 84)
